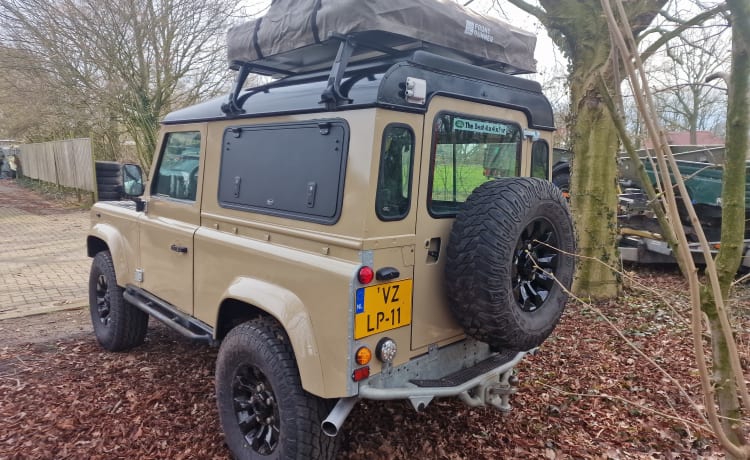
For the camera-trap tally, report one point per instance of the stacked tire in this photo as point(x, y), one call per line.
point(108, 180)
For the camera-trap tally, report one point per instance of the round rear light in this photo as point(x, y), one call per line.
point(365, 275)
point(386, 350)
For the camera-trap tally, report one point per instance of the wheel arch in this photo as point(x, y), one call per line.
point(248, 298)
point(95, 245)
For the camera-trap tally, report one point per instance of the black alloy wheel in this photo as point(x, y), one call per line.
point(534, 264)
point(102, 300)
point(256, 409)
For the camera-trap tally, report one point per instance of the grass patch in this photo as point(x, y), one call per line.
point(70, 196)
point(467, 178)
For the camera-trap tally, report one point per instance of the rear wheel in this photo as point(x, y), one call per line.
point(118, 326)
point(263, 409)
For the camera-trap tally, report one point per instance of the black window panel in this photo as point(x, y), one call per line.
point(293, 170)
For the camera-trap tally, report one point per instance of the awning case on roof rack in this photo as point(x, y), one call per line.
point(295, 36)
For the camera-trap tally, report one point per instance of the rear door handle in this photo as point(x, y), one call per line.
point(180, 249)
point(433, 250)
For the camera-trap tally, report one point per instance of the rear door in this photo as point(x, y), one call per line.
point(465, 144)
point(172, 218)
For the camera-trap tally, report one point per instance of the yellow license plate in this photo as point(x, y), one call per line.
point(382, 308)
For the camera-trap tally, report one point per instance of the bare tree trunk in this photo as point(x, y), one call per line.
point(578, 27)
point(727, 387)
point(733, 225)
point(132, 61)
point(594, 183)
point(724, 385)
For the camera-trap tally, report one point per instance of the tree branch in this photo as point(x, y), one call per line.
point(537, 12)
point(699, 19)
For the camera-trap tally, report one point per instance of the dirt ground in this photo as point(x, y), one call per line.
point(50, 327)
point(41, 199)
point(586, 395)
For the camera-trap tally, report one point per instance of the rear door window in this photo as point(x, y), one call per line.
point(466, 152)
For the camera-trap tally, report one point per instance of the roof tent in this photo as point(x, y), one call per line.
point(300, 36)
point(305, 37)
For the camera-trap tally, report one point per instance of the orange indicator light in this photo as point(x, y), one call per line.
point(364, 355)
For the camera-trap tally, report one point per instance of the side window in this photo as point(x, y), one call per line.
point(393, 198)
point(177, 176)
point(467, 152)
point(291, 170)
point(540, 160)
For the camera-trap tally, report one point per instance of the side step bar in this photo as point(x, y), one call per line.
point(169, 315)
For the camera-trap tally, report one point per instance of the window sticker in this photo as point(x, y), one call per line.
point(462, 124)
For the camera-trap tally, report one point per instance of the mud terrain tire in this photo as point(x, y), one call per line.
point(509, 237)
point(118, 326)
point(263, 409)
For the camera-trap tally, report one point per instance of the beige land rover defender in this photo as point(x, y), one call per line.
point(375, 223)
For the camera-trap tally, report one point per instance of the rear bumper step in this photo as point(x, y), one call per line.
point(488, 382)
point(465, 375)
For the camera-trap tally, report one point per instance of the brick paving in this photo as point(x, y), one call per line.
point(43, 262)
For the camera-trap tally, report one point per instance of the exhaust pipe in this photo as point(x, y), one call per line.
point(338, 415)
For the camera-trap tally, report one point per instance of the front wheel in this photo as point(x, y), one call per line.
point(118, 326)
point(264, 411)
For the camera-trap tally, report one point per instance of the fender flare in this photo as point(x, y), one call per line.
point(117, 246)
point(290, 312)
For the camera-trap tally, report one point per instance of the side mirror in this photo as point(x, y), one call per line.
point(132, 180)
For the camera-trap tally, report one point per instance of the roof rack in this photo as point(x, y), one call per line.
point(335, 94)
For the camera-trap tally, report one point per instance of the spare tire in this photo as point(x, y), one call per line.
point(509, 256)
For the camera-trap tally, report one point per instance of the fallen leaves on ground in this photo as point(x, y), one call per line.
point(587, 394)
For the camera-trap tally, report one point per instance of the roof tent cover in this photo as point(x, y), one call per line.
point(295, 36)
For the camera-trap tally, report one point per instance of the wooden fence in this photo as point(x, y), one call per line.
point(67, 163)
